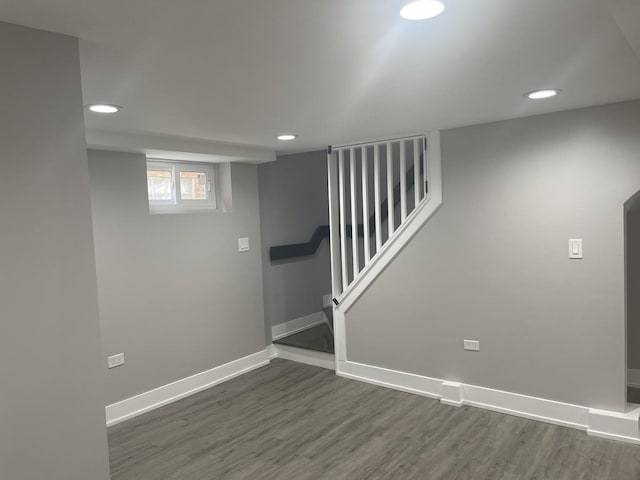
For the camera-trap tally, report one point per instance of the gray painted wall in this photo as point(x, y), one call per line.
point(175, 295)
point(293, 202)
point(492, 264)
point(52, 422)
point(633, 286)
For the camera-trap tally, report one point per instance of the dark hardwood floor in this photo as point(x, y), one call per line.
point(293, 421)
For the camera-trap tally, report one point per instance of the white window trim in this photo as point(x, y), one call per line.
point(177, 204)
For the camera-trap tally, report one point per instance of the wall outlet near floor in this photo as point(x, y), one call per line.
point(472, 345)
point(115, 360)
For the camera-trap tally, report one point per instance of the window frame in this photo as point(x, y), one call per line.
point(177, 204)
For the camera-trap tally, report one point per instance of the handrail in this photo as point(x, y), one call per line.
point(294, 250)
point(300, 249)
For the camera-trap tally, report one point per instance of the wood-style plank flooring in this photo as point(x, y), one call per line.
point(293, 421)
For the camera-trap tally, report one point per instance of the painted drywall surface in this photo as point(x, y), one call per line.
point(52, 422)
point(293, 203)
point(492, 264)
point(175, 295)
point(633, 286)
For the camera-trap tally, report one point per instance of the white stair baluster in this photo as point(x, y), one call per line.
point(365, 206)
point(354, 214)
point(390, 205)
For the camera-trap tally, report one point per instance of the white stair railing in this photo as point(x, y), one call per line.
point(363, 226)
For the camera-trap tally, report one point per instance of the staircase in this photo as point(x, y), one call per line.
point(406, 172)
point(379, 196)
point(283, 252)
point(359, 176)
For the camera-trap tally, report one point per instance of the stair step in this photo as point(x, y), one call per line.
point(302, 355)
point(318, 338)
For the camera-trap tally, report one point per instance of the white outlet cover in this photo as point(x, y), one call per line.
point(115, 360)
point(472, 345)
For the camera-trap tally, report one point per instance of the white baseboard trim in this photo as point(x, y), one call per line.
point(608, 424)
point(302, 355)
point(615, 426)
point(633, 378)
point(297, 325)
point(271, 350)
point(601, 423)
point(158, 397)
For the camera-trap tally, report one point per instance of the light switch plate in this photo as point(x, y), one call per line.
point(575, 248)
point(243, 244)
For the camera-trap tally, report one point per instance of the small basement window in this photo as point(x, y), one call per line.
point(177, 187)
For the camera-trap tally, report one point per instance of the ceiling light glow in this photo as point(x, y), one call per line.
point(540, 94)
point(104, 108)
point(422, 9)
point(287, 136)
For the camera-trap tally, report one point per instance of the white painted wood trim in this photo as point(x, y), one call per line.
point(390, 205)
point(620, 426)
point(354, 213)
point(384, 377)
point(343, 223)
point(405, 232)
point(365, 207)
point(376, 196)
point(403, 181)
point(339, 335)
point(334, 224)
point(601, 423)
point(297, 325)
point(302, 355)
point(416, 172)
point(633, 378)
point(452, 394)
point(534, 408)
point(431, 148)
point(271, 350)
point(615, 425)
point(158, 397)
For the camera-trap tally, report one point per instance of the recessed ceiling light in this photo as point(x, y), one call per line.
point(104, 108)
point(540, 94)
point(287, 136)
point(422, 9)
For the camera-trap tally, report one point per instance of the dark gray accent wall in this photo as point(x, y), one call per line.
point(293, 202)
point(52, 421)
point(492, 264)
point(633, 285)
point(175, 295)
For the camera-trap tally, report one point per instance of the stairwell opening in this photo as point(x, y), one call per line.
point(632, 296)
point(374, 190)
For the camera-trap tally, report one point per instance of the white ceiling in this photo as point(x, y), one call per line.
point(335, 71)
